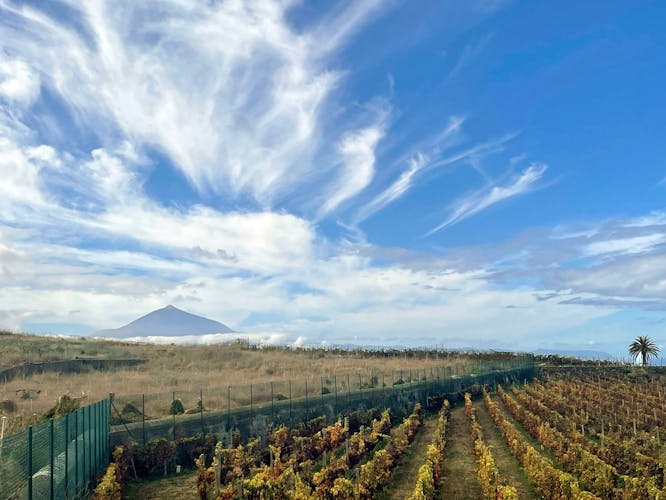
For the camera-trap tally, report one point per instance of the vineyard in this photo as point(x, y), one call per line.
point(583, 434)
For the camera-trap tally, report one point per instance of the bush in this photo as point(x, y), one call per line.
point(63, 406)
point(189, 449)
point(8, 406)
point(130, 412)
point(157, 455)
point(176, 407)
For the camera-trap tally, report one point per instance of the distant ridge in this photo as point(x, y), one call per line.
point(167, 322)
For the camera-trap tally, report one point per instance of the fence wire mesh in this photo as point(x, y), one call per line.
point(253, 409)
point(57, 458)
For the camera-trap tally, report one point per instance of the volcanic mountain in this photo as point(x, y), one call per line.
point(166, 322)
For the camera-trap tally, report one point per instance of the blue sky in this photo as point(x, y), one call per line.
point(486, 173)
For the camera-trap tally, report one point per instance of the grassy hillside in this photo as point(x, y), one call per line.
point(189, 369)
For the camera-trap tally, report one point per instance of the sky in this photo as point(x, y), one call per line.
point(486, 174)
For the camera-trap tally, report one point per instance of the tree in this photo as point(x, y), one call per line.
point(644, 347)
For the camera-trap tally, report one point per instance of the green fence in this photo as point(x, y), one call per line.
point(253, 409)
point(57, 458)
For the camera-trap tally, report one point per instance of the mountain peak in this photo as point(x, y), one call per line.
point(167, 322)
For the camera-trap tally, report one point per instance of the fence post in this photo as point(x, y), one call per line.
point(203, 432)
point(359, 381)
point(143, 418)
point(427, 392)
point(107, 430)
point(91, 457)
point(229, 412)
point(67, 455)
point(30, 463)
point(173, 401)
point(335, 383)
point(104, 436)
point(321, 380)
point(52, 458)
point(84, 452)
point(291, 420)
point(272, 405)
point(93, 453)
point(96, 440)
point(106, 445)
point(348, 391)
point(76, 450)
point(251, 409)
point(307, 409)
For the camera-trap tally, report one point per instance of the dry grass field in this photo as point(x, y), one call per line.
point(187, 370)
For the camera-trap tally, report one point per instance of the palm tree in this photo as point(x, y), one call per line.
point(644, 347)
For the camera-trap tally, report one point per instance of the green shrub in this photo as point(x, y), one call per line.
point(176, 407)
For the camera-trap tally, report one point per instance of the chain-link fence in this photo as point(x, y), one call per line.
point(253, 409)
point(57, 458)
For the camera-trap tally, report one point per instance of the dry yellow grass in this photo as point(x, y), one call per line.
point(211, 369)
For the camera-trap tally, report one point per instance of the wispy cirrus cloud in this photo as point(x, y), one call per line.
point(432, 154)
point(229, 91)
point(357, 155)
point(250, 105)
point(626, 246)
point(426, 156)
point(491, 195)
point(468, 54)
point(397, 189)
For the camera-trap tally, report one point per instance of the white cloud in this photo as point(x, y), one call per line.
point(236, 98)
point(417, 162)
point(399, 187)
point(19, 177)
point(18, 82)
point(335, 297)
point(639, 277)
point(656, 218)
point(627, 246)
point(480, 200)
point(228, 90)
point(357, 152)
point(469, 53)
point(213, 338)
point(300, 341)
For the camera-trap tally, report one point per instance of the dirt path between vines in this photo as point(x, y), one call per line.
point(507, 464)
point(182, 486)
point(403, 478)
point(459, 469)
point(528, 437)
